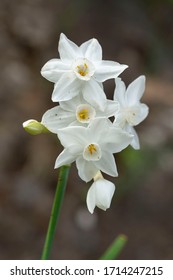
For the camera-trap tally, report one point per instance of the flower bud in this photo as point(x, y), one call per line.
point(34, 127)
point(100, 194)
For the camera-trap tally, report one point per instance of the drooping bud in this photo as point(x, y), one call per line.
point(100, 193)
point(34, 127)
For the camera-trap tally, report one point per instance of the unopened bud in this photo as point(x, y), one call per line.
point(34, 127)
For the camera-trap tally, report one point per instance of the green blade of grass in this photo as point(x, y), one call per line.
point(115, 248)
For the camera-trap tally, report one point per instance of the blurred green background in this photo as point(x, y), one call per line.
point(137, 33)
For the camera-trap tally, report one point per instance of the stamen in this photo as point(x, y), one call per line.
point(92, 148)
point(83, 114)
point(92, 152)
point(82, 69)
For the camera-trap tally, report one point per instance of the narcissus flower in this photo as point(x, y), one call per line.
point(92, 147)
point(100, 193)
point(80, 69)
point(76, 112)
point(131, 110)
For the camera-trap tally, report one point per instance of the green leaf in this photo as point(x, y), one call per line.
point(115, 248)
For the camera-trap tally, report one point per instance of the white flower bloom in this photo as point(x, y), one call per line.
point(131, 111)
point(80, 68)
point(92, 147)
point(76, 112)
point(100, 193)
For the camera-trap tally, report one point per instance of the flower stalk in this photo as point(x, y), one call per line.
point(58, 199)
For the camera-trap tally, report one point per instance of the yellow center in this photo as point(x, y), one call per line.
point(92, 152)
point(83, 114)
point(83, 69)
point(92, 148)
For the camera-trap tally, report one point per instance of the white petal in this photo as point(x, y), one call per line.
point(135, 141)
point(71, 105)
point(97, 129)
point(144, 110)
point(107, 70)
point(66, 88)
point(137, 114)
point(100, 194)
point(91, 199)
point(108, 136)
point(75, 149)
point(56, 118)
point(73, 136)
point(94, 94)
point(64, 158)
point(76, 123)
point(91, 50)
point(54, 69)
point(135, 90)
point(120, 120)
point(110, 109)
point(67, 49)
point(119, 93)
point(116, 140)
point(104, 193)
point(86, 169)
point(107, 164)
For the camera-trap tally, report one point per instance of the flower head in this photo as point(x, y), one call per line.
point(81, 120)
point(92, 147)
point(100, 193)
point(76, 112)
point(80, 69)
point(131, 110)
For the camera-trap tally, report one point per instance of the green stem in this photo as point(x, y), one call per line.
point(61, 186)
point(115, 249)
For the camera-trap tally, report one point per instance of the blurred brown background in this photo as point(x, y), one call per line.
point(138, 33)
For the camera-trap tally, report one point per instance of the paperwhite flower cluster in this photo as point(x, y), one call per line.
point(81, 120)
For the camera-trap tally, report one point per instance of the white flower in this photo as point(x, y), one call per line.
point(75, 112)
point(100, 193)
point(131, 110)
point(92, 147)
point(80, 68)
